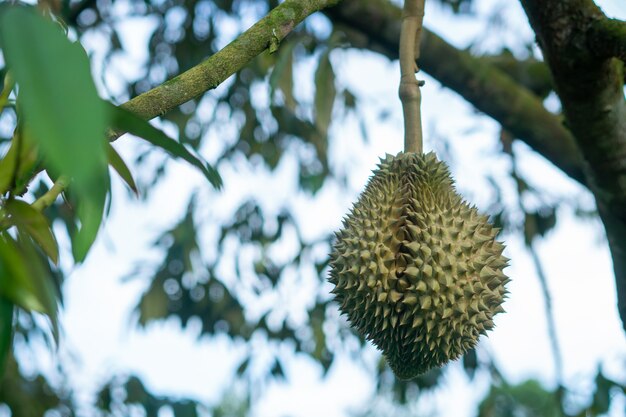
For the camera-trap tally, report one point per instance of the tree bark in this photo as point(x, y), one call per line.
point(590, 83)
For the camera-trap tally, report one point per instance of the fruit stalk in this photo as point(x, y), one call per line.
point(409, 92)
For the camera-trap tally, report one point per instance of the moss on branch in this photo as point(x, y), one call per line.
point(607, 38)
point(269, 31)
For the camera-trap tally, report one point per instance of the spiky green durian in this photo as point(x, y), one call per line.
point(416, 269)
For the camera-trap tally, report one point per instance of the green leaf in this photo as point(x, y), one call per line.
point(282, 75)
point(7, 166)
point(23, 281)
point(19, 164)
point(35, 224)
point(6, 330)
point(6, 90)
point(129, 122)
point(62, 110)
point(325, 93)
point(118, 164)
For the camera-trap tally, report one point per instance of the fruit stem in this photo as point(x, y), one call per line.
point(409, 92)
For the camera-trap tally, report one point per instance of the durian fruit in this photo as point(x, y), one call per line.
point(416, 269)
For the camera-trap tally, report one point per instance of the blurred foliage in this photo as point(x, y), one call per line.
point(528, 399)
point(30, 396)
point(237, 284)
point(117, 399)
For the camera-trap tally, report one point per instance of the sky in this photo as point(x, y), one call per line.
point(100, 336)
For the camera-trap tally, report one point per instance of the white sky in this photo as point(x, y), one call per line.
point(100, 339)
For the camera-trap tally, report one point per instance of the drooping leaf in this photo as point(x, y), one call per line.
point(62, 110)
point(243, 366)
point(325, 93)
point(25, 217)
point(19, 164)
point(90, 212)
point(118, 164)
point(22, 280)
point(539, 223)
point(8, 165)
point(282, 75)
point(604, 394)
point(6, 330)
point(6, 90)
point(129, 122)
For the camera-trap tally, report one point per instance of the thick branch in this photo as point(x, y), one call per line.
point(592, 95)
point(607, 39)
point(530, 73)
point(266, 33)
point(375, 24)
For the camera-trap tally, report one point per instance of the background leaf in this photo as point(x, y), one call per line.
point(325, 93)
point(6, 330)
point(282, 75)
point(118, 164)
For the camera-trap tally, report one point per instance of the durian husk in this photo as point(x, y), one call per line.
point(416, 269)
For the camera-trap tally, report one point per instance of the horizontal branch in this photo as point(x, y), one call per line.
point(374, 24)
point(607, 38)
point(530, 73)
point(266, 33)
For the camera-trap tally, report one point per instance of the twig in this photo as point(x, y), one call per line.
point(409, 92)
point(51, 195)
point(554, 341)
point(547, 298)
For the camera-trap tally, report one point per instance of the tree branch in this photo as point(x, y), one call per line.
point(266, 33)
point(375, 24)
point(51, 195)
point(592, 95)
point(529, 73)
point(607, 39)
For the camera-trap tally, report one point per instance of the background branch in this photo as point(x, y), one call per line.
point(374, 25)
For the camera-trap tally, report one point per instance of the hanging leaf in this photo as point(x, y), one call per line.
point(539, 223)
point(243, 366)
point(25, 217)
point(19, 165)
point(118, 164)
point(349, 100)
point(23, 281)
point(6, 330)
point(6, 90)
point(325, 93)
point(282, 75)
point(128, 122)
point(63, 112)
